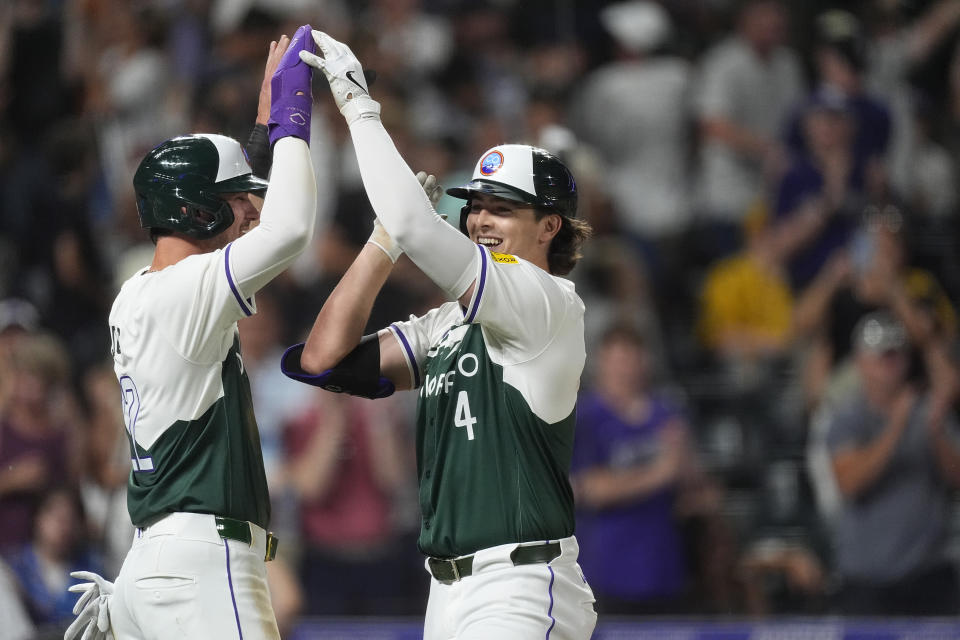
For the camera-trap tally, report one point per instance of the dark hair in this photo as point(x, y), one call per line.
point(157, 232)
point(564, 252)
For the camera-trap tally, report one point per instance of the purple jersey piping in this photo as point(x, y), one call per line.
point(233, 286)
point(553, 621)
point(233, 598)
point(478, 294)
point(409, 352)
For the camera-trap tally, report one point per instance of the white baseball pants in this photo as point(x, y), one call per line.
point(181, 580)
point(526, 602)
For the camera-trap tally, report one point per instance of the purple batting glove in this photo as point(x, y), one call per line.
point(291, 97)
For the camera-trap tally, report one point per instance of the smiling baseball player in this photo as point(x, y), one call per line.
point(497, 369)
point(197, 492)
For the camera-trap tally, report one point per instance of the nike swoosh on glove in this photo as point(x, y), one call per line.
point(345, 75)
point(290, 91)
point(92, 608)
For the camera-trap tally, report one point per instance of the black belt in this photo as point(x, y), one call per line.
point(450, 570)
point(240, 530)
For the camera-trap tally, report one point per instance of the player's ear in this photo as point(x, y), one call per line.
point(549, 227)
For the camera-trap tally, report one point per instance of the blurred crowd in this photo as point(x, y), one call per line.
point(767, 422)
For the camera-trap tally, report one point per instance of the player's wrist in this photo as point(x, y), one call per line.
point(389, 249)
point(360, 108)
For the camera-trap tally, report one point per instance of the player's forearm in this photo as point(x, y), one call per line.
point(444, 254)
point(286, 222)
point(340, 323)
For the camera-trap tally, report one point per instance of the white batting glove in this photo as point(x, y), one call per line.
point(380, 237)
point(92, 608)
point(382, 240)
point(345, 75)
point(431, 186)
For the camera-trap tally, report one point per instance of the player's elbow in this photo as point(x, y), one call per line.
point(315, 360)
point(291, 239)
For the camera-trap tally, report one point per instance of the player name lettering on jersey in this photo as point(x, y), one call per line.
point(467, 365)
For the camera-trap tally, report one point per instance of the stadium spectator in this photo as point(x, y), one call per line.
point(633, 458)
point(873, 273)
point(900, 47)
point(348, 463)
point(636, 110)
point(36, 442)
point(58, 545)
point(747, 85)
point(840, 57)
point(894, 457)
point(747, 304)
point(16, 620)
point(822, 193)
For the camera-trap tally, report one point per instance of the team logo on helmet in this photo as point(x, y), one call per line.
point(491, 163)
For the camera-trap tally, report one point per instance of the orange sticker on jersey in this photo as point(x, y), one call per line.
point(503, 258)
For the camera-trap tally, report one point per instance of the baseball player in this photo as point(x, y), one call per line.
point(197, 491)
point(497, 369)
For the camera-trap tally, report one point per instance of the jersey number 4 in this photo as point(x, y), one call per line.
point(462, 416)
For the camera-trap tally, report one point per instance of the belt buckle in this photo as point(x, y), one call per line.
point(271, 551)
point(436, 563)
point(456, 569)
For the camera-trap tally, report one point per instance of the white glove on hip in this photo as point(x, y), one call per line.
point(92, 608)
point(345, 75)
point(380, 237)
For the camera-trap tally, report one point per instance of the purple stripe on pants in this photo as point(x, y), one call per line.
point(553, 622)
point(233, 598)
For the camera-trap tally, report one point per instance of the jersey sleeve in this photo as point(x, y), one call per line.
point(416, 335)
point(444, 254)
point(519, 303)
point(196, 303)
point(285, 228)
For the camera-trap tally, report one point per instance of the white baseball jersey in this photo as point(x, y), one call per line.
point(498, 384)
point(194, 443)
point(186, 397)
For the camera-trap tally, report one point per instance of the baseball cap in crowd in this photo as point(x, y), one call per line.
point(841, 31)
point(637, 25)
point(879, 332)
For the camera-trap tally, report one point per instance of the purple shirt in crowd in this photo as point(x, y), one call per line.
point(17, 509)
point(633, 550)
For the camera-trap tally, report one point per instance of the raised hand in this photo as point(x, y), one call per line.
point(291, 96)
point(274, 55)
point(431, 186)
point(345, 75)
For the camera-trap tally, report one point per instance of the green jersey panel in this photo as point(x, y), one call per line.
point(491, 472)
point(212, 464)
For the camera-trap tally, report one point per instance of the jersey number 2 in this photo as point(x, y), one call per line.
point(462, 416)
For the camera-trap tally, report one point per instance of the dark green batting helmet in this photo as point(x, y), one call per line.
point(179, 184)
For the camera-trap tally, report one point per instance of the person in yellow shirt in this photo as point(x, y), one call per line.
point(746, 302)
